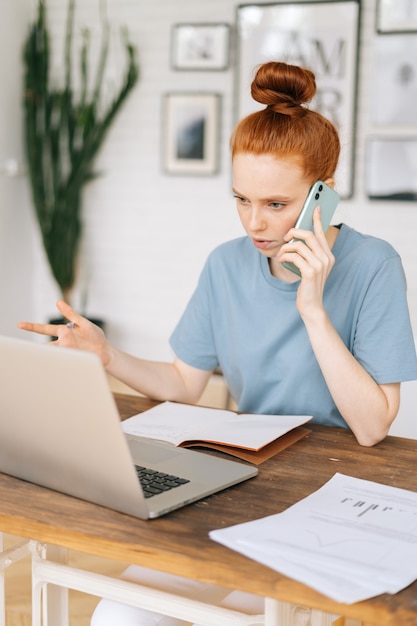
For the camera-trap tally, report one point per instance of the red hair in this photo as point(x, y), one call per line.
point(286, 127)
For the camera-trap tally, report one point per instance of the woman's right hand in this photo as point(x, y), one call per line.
point(78, 333)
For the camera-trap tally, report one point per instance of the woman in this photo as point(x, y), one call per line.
point(335, 344)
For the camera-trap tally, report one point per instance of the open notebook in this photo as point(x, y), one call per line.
point(60, 428)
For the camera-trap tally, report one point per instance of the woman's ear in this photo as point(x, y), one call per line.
point(330, 182)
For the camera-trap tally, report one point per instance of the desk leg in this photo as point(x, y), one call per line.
point(8, 558)
point(49, 602)
point(272, 612)
point(2, 595)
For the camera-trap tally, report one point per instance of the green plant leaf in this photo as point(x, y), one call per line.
point(63, 135)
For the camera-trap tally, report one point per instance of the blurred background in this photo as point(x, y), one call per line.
point(148, 231)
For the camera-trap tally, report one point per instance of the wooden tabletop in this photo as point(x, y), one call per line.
point(179, 542)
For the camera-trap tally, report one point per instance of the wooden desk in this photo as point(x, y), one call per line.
point(179, 542)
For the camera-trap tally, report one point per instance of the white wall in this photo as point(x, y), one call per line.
point(405, 424)
point(147, 234)
point(15, 217)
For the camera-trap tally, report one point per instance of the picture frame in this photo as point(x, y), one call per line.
point(321, 35)
point(391, 168)
point(396, 16)
point(200, 46)
point(394, 80)
point(191, 133)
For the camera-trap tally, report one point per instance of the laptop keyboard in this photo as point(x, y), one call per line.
point(154, 482)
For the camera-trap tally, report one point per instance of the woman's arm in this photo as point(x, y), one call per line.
point(175, 381)
point(368, 408)
point(159, 380)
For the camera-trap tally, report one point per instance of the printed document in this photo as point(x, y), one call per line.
point(350, 540)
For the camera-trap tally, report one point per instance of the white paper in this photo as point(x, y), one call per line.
point(175, 422)
point(350, 540)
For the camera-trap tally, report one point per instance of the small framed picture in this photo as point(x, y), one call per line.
point(396, 16)
point(191, 137)
point(391, 169)
point(394, 80)
point(200, 46)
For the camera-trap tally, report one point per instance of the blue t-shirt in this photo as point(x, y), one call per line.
point(245, 320)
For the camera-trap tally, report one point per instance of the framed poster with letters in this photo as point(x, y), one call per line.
point(322, 36)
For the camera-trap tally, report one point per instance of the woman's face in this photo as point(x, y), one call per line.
point(270, 193)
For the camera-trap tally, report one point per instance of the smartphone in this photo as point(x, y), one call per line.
point(328, 199)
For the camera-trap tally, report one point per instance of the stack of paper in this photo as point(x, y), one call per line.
point(350, 540)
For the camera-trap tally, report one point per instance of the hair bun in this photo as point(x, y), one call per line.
point(283, 88)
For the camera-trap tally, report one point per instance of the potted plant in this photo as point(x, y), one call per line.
point(64, 131)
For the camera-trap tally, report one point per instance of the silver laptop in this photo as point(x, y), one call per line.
point(60, 428)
